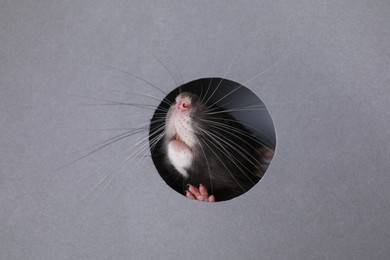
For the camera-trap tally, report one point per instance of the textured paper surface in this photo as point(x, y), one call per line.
point(325, 195)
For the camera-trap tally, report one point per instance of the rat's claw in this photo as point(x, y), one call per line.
point(190, 195)
point(200, 194)
point(203, 190)
point(211, 198)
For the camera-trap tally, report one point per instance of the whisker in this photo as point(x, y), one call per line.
point(207, 91)
point(166, 68)
point(145, 95)
point(243, 132)
point(228, 129)
point(132, 156)
point(237, 110)
point(108, 176)
point(229, 155)
point(180, 75)
point(268, 69)
point(258, 75)
point(208, 166)
point(133, 75)
point(241, 151)
point(227, 71)
point(224, 165)
point(114, 102)
point(103, 145)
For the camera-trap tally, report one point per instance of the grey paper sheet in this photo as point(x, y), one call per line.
point(321, 67)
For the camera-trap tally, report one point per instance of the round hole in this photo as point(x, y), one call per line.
point(226, 143)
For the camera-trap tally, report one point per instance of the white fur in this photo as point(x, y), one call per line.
point(182, 122)
point(180, 157)
point(179, 122)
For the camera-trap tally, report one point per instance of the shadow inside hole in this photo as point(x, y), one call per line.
point(238, 148)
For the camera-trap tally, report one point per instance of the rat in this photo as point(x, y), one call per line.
point(207, 153)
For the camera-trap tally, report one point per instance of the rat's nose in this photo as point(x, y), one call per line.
point(183, 103)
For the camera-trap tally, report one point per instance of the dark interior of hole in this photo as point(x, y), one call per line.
point(242, 104)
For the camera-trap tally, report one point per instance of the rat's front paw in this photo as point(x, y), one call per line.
point(199, 194)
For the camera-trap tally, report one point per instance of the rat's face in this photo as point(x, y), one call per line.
point(181, 131)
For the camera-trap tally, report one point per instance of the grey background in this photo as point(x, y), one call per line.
point(325, 195)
